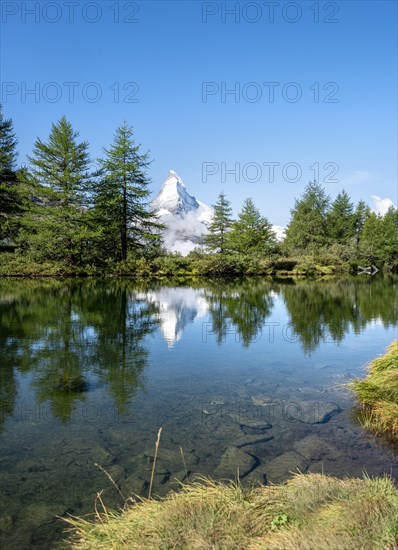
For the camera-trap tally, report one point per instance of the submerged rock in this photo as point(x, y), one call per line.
point(6, 523)
point(258, 427)
point(40, 513)
point(310, 412)
point(263, 400)
point(134, 485)
point(285, 466)
point(255, 441)
point(235, 460)
point(315, 448)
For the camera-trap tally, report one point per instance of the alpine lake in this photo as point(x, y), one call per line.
point(247, 378)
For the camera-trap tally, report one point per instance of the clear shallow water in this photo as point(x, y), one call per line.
point(244, 376)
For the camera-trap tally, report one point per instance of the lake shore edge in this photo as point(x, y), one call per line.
point(378, 394)
point(308, 511)
point(215, 265)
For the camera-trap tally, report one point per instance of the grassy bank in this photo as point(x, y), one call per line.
point(309, 511)
point(378, 394)
point(196, 264)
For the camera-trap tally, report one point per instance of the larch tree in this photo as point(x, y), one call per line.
point(340, 219)
point(220, 225)
point(57, 227)
point(307, 229)
point(121, 201)
point(251, 232)
point(11, 200)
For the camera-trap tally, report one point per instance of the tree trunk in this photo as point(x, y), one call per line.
point(124, 228)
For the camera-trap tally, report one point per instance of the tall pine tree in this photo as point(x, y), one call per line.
point(341, 220)
point(307, 230)
point(379, 240)
point(220, 225)
point(251, 233)
point(361, 214)
point(122, 210)
point(63, 165)
point(10, 188)
point(56, 227)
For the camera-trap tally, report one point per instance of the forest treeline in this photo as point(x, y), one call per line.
point(65, 214)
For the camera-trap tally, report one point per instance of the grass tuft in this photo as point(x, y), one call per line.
point(378, 394)
point(309, 511)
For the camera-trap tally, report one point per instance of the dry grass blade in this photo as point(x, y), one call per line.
point(185, 465)
point(154, 462)
point(108, 475)
point(309, 511)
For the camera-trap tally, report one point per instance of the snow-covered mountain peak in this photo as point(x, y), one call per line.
point(173, 181)
point(173, 174)
point(174, 198)
point(186, 219)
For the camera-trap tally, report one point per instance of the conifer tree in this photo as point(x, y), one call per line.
point(63, 165)
point(361, 214)
point(220, 225)
point(251, 232)
point(56, 227)
point(10, 189)
point(341, 220)
point(379, 240)
point(307, 230)
point(122, 210)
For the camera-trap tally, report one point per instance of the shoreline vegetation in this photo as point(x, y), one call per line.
point(196, 264)
point(307, 511)
point(378, 394)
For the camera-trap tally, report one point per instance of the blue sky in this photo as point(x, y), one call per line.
point(197, 129)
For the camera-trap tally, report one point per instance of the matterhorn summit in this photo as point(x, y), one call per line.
point(174, 198)
point(186, 218)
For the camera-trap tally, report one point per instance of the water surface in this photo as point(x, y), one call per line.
point(246, 377)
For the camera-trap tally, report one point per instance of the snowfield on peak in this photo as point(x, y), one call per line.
point(186, 218)
point(174, 198)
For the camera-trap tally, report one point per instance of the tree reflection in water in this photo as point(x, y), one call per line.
point(77, 334)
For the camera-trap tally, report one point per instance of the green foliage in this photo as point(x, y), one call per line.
point(361, 214)
point(251, 232)
point(11, 199)
point(307, 230)
point(8, 146)
point(340, 220)
point(121, 202)
point(220, 226)
point(56, 226)
point(279, 522)
point(378, 393)
point(220, 264)
point(62, 164)
point(379, 240)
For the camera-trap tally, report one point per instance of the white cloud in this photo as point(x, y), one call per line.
point(381, 206)
point(182, 234)
point(279, 231)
